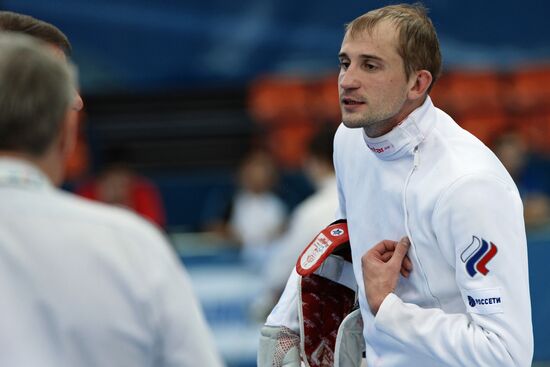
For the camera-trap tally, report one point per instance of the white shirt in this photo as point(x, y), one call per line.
point(434, 182)
point(84, 284)
point(257, 218)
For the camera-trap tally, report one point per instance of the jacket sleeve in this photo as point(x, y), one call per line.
point(478, 223)
point(285, 312)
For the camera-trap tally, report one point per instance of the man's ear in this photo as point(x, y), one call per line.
point(69, 133)
point(422, 80)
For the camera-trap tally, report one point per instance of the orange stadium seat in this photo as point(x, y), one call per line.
point(535, 129)
point(327, 104)
point(273, 98)
point(485, 125)
point(530, 89)
point(288, 142)
point(472, 91)
point(440, 92)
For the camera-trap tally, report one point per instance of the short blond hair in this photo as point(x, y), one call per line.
point(417, 44)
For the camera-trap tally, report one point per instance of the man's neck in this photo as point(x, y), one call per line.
point(384, 127)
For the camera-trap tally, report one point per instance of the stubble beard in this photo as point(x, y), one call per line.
point(374, 123)
point(363, 120)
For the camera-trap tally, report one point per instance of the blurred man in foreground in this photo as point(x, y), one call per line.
point(82, 284)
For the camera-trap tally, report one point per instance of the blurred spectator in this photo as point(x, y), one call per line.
point(254, 215)
point(309, 217)
point(257, 215)
point(118, 184)
point(531, 175)
point(536, 209)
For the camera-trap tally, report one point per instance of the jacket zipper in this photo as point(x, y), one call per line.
point(416, 162)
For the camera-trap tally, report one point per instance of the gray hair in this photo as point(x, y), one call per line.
point(37, 87)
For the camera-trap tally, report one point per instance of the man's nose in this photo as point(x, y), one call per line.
point(348, 79)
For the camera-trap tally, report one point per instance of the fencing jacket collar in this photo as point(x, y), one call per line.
point(404, 137)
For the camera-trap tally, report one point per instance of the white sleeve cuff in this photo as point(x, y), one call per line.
point(386, 314)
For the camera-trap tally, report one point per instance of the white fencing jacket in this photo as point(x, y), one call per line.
point(84, 284)
point(466, 302)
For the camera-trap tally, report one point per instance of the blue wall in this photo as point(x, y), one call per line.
point(539, 253)
point(162, 45)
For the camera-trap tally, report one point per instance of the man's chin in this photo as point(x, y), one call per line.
point(352, 123)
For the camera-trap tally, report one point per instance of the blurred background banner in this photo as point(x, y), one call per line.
point(138, 45)
point(200, 116)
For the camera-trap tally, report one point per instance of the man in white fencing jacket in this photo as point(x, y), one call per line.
point(435, 222)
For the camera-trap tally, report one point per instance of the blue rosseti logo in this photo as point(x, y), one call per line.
point(483, 301)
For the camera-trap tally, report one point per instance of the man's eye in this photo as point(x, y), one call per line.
point(369, 66)
point(344, 65)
